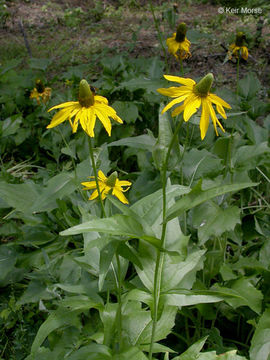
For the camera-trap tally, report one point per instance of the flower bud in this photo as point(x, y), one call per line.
point(204, 85)
point(39, 86)
point(86, 97)
point(181, 32)
point(112, 179)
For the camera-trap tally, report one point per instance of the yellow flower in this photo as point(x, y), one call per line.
point(86, 110)
point(238, 47)
point(111, 184)
point(40, 91)
point(178, 44)
point(195, 96)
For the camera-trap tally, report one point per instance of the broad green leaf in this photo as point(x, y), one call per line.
point(193, 351)
point(19, 196)
point(36, 290)
point(212, 355)
point(249, 85)
point(249, 156)
point(137, 323)
point(243, 294)
point(127, 110)
point(149, 85)
point(157, 348)
point(180, 300)
point(211, 220)
point(93, 352)
point(8, 259)
point(260, 343)
point(116, 225)
point(10, 125)
point(57, 319)
point(197, 196)
point(143, 142)
point(132, 353)
point(57, 187)
point(149, 208)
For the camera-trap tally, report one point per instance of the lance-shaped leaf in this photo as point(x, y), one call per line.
point(121, 225)
point(198, 196)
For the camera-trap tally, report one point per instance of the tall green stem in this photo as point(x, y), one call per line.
point(119, 310)
point(118, 275)
point(160, 256)
point(96, 176)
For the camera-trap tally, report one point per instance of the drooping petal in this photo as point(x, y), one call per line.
point(76, 120)
point(244, 52)
point(204, 121)
point(221, 111)
point(94, 195)
point(91, 121)
point(213, 116)
point(104, 119)
point(193, 104)
point(122, 183)
point(66, 104)
point(120, 195)
point(180, 80)
point(175, 101)
point(178, 110)
point(218, 101)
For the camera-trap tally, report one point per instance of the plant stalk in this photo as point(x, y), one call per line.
point(160, 256)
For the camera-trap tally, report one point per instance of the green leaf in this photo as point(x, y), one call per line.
point(197, 196)
point(10, 125)
point(212, 355)
point(193, 351)
point(260, 343)
point(243, 294)
point(93, 352)
point(211, 220)
point(140, 82)
point(35, 291)
point(19, 196)
point(8, 259)
point(185, 299)
point(249, 86)
point(249, 156)
point(122, 225)
point(127, 110)
point(143, 142)
point(132, 353)
point(59, 318)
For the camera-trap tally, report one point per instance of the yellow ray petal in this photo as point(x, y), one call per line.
point(105, 120)
point(101, 176)
point(218, 101)
point(175, 101)
point(204, 121)
point(180, 80)
point(120, 196)
point(221, 111)
point(178, 110)
point(101, 99)
point(60, 117)
point(122, 183)
point(91, 121)
point(76, 120)
point(192, 106)
point(213, 116)
point(89, 185)
point(174, 91)
point(66, 104)
point(94, 195)
point(244, 52)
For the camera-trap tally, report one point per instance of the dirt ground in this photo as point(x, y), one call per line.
point(73, 31)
